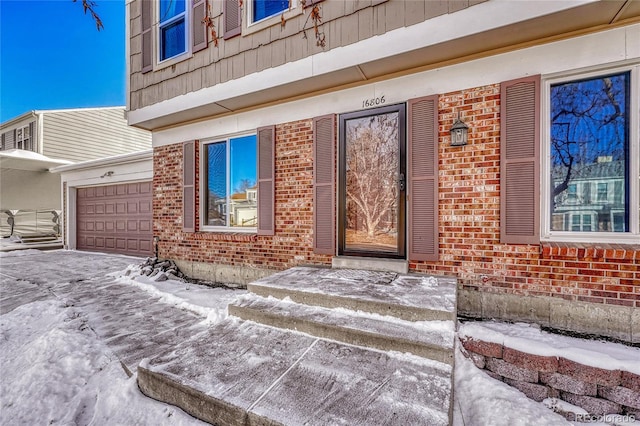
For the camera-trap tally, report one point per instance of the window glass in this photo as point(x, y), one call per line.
point(589, 135)
point(170, 9)
point(172, 29)
point(232, 183)
point(217, 183)
point(265, 8)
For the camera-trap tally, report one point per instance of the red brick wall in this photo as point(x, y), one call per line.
point(469, 210)
point(292, 243)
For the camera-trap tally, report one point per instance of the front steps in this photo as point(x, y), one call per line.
point(389, 312)
point(319, 346)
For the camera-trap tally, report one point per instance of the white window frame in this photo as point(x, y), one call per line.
point(204, 185)
point(633, 233)
point(158, 34)
point(249, 26)
point(20, 140)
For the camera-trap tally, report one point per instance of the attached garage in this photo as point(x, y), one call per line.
point(115, 219)
point(107, 204)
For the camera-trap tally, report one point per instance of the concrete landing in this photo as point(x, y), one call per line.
point(319, 346)
point(411, 297)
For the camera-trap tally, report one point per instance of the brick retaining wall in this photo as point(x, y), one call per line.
point(597, 390)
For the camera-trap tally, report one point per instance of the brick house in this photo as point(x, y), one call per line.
point(341, 114)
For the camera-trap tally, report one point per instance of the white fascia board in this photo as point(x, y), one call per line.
point(473, 20)
point(110, 174)
point(130, 157)
point(15, 120)
point(564, 56)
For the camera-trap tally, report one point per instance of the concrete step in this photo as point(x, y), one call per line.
point(243, 373)
point(429, 339)
point(39, 238)
point(319, 346)
point(410, 297)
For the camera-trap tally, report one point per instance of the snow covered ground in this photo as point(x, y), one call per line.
point(56, 370)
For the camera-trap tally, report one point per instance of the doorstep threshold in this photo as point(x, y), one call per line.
point(399, 266)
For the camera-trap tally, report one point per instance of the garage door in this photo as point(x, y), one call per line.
point(115, 219)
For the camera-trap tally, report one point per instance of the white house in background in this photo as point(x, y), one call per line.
point(34, 142)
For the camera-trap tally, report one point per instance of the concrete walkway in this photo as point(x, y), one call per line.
point(134, 324)
point(241, 372)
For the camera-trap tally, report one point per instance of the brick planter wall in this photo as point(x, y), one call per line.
point(597, 390)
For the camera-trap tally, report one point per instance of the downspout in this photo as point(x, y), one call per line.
point(40, 132)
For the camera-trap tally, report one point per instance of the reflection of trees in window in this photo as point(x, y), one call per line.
point(217, 183)
point(231, 182)
point(372, 172)
point(589, 134)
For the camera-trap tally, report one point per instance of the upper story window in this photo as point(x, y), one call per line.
point(261, 9)
point(23, 138)
point(172, 29)
point(230, 177)
point(592, 156)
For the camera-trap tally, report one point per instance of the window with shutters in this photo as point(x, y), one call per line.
point(591, 167)
point(230, 184)
point(172, 29)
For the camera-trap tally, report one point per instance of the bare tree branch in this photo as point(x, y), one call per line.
point(89, 6)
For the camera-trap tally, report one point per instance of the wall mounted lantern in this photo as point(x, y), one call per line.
point(459, 132)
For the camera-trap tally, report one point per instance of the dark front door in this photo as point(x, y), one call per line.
point(372, 183)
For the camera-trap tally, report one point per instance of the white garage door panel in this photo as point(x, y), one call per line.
point(115, 219)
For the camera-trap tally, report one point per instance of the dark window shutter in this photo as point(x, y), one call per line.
point(189, 186)
point(324, 208)
point(3, 142)
point(232, 18)
point(198, 28)
point(423, 178)
point(147, 35)
point(520, 161)
point(266, 170)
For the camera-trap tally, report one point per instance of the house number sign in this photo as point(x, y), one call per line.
point(367, 103)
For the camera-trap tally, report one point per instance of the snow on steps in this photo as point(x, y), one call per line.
point(244, 373)
point(262, 372)
point(411, 297)
point(429, 339)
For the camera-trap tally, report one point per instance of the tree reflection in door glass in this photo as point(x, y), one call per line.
point(372, 167)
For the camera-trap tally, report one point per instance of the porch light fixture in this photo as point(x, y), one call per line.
point(459, 132)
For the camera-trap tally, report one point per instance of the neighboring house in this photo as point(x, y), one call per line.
point(345, 115)
point(34, 142)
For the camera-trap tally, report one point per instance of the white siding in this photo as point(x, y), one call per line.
point(79, 135)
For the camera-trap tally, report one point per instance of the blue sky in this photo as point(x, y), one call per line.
point(52, 56)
